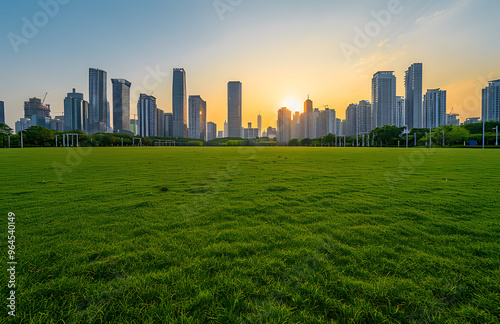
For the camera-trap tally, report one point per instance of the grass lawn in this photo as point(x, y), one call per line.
point(244, 235)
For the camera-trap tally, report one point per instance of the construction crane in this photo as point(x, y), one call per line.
point(45, 97)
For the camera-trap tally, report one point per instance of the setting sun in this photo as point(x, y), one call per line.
point(293, 104)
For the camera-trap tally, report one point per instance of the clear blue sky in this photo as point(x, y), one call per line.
point(281, 50)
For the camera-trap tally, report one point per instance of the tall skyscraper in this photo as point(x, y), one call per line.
point(316, 124)
point(75, 112)
point(211, 131)
point(364, 117)
point(296, 133)
point(133, 126)
point(159, 123)
point(331, 123)
point(146, 110)
point(226, 129)
point(109, 129)
point(197, 118)
point(399, 114)
point(234, 109)
point(413, 97)
point(259, 124)
point(2, 113)
point(284, 130)
point(351, 121)
point(434, 108)
point(308, 119)
point(383, 98)
point(179, 103)
point(121, 105)
point(490, 110)
point(98, 101)
point(169, 125)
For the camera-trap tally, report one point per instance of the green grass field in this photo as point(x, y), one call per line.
point(244, 235)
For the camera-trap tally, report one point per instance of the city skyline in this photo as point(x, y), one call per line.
point(307, 53)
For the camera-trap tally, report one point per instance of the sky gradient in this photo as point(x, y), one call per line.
point(281, 51)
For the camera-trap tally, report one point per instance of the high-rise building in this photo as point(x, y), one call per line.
point(338, 121)
point(35, 107)
point(234, 108)
point(179, 103)
point(295, 134)
point(331, 121)
point(76, 112)
point(98, 101)
point(452, 119)
point(351, 121)
point(259, 125)
point(326, 122)
point(169, 125)
point(159, 123)
point(197, 118)
point(413, 97)
point(383, 98)
point(284, 130)
point(226, 129)
point(220, 134)
point(121, 105)
point(343, 127)
point(358, 119)
point(271, 132)
point(146, 110)
point(472, 120)
point(22, 124)
point(316, 124)
point(2, 113)
point(364, 117)
point(250, 132)
point(109, 129)
point(40, 121)
point(57, 124)
point(133, 126)
point(399, 114)
point(490, 109)
point(308, 119)
point(211, 131)
point(434, 108)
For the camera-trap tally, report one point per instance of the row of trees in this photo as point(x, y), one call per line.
point(387, 136)
point(453, 135)
point(37, 136)
point(395, 136)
